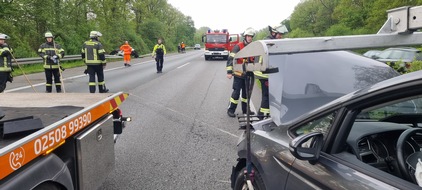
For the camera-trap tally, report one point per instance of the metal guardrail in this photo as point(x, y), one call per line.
point(34, 60)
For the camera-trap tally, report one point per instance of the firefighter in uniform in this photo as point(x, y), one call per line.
point(5, 62)
point(158, 52)
point(51, 52)
point(264, 110)
point(239, 85)
point(93, 55)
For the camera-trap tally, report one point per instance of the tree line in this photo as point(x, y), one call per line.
point(143, 22)
point(139, 22)
point(313, 18)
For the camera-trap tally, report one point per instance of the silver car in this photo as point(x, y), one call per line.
point(338, 121)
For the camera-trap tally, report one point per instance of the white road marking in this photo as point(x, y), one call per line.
point(183, 65)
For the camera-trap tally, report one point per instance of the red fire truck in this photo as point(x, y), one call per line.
point(219, 43)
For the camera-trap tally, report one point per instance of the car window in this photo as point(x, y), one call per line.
point(385, 54)
point(321, 124)
point(375, 133)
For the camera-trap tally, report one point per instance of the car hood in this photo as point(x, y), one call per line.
point(306, 81)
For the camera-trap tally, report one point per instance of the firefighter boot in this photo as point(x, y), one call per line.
point(48, 89)
point(232, 108)
point(92, 89)
point(58, 89)
point(102, 88)
point(244, 109)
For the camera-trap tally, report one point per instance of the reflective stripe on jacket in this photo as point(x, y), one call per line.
point(50, 49)
point(159, 49)
point(93, 53)
point(229, 64)
point(5, 60)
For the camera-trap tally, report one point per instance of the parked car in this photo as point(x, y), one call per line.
point(372, 53)
point(197, 46)
point(355, 128)
point(404, 55)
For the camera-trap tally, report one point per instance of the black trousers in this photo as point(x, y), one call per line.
point(4, 77)
point(96, 70)
point(239, 87)
point(265, 100)
point(51, 74)
point(159, 61)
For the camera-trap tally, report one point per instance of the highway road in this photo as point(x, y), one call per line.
point(180, 136)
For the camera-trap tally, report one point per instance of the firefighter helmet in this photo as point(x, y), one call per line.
point(281, 29)
point(249, 32)
point(48, 35)
point(95, 34)
point(4, 36)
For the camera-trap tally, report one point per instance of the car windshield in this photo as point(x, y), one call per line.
point(309, 80)
point(216, 38)
point(400, 111)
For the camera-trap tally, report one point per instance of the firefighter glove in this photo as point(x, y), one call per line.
point(61, 68)
point(55, 57)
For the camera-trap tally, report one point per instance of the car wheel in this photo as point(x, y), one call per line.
point(48, 186)
point(240, 184)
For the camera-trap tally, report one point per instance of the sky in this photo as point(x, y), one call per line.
point(235, 15)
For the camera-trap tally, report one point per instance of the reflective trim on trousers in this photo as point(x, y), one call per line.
point(264, 110)
point(244, 100)
point(232, 100)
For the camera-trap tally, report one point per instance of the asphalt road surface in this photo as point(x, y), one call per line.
point(180, 136)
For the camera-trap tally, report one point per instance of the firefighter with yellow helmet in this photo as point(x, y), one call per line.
point(93, 55)
point(5, 62)
point(276, 32)
point(239, 85)
point(51, 52)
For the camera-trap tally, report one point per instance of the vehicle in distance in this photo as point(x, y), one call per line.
point(372, 53)
point(197, 46)
point(402, 55)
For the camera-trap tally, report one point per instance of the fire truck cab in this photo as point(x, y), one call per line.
point(219, 43)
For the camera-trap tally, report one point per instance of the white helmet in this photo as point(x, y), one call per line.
point(95, 34)
point(249, 32)
point(4, 36)
point(281, 29)
point(48, 35)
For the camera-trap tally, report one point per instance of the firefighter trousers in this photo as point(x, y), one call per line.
point(51, 74)
point(159, 61)
point(96, 70)
point(239, 87)
point(264, 110)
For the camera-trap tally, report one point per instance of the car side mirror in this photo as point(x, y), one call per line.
point(307, 146)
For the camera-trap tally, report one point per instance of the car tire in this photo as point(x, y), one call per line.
point(258, 183)
point(48, 186)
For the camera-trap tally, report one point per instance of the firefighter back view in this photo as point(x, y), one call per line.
point(239, 85)
point(5, 62)
point(93, 55)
